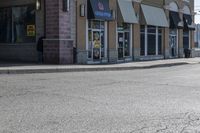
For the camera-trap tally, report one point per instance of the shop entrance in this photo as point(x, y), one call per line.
point(123, 41)
point(173, 44)
point(186, 44)
point(96, 41)
point(96, 45)
point(123, 44)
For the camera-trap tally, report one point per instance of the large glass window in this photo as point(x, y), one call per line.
point(5, 25)
point(18, 24)
point(151, 40)
point(159, 41)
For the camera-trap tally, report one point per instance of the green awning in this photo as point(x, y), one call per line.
point(127, 11)
point(154, 16)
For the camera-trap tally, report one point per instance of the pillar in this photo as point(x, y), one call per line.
point(136, 34)
point(112, 34)
point(165, 40)
point(81, 33)
point(58, 45)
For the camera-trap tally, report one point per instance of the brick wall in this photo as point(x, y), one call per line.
point(60, 30)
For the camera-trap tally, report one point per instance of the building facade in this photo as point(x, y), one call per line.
point(96, 31)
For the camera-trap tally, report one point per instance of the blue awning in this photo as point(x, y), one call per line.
point(99, 9)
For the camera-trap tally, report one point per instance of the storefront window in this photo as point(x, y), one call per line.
point(151, 40)
point(18, 23)
point(5, 25)
point(123, 40)
point(159, 41)
point(96, 39)
point(186, 39)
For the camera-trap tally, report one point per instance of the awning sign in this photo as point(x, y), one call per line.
point(30, 30)
point(99, 9)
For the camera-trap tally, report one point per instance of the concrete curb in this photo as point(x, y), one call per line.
point(114, 68)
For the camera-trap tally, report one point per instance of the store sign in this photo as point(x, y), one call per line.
point(102, 12)
point(31, 30)
point(99, 9)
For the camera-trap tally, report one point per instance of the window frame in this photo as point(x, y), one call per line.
point(144, 31)
point(35, 23)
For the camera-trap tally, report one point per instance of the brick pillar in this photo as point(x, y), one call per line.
point(112, 44)
point(81, 34)
point(112, 32)
point(58, 45)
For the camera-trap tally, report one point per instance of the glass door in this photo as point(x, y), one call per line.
point(120, 45)
point(173, 45)
point(96, 45)
point(123, 40)
point(126, 44)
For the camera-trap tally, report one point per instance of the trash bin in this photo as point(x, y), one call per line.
point(187, 53)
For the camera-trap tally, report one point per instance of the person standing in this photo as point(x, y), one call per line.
point(40, 49)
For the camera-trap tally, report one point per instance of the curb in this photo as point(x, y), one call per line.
point(59, 70)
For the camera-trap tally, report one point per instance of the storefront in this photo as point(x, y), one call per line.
point(151, 37)
point(126, 18)
point(175, 24)
point(124, 41)
point(97, 44)
point(96, 31)
point(189, 27)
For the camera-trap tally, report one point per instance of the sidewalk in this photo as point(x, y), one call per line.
point(24, 68)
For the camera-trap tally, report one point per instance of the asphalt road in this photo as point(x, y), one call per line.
point(161, 100)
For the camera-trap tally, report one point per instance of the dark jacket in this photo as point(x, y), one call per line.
point(40, 44)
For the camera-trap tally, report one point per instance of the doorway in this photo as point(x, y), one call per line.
point(123, 44)
point(173, 45)
point(96, 41)
point(96, 45)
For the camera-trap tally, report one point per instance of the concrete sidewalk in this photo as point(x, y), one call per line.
point(24, 68)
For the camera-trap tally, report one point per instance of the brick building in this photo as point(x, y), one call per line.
point(101, 31)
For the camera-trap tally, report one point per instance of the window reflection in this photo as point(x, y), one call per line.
point(17, 24)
